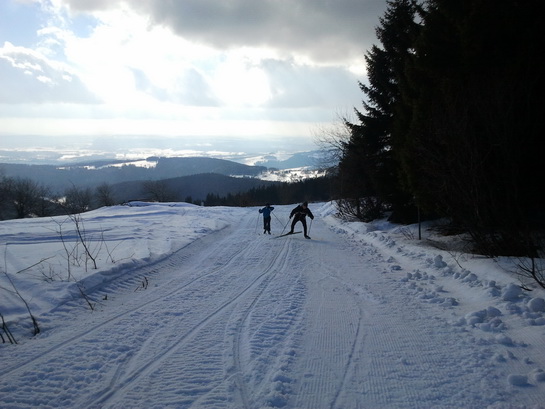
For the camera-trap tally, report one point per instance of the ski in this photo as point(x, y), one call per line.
point(287, 234)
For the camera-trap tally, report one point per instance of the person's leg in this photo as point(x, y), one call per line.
point(293, 224)
point(304, 221)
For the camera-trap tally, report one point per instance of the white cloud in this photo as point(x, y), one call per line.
point(27, 76)
point(241, 82)
point(324, 31)
point(193, 67)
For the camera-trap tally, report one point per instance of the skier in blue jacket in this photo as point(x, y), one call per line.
point(301, 212)
point(267, 217)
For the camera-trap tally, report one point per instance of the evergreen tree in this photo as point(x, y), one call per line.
point(476, 124)
point(369, 167)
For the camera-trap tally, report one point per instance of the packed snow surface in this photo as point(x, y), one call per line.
point(194, 307)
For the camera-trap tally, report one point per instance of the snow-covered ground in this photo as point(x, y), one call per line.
point(291, 175)
point(194, 307)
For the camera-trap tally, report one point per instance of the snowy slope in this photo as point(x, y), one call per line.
point(195, 308)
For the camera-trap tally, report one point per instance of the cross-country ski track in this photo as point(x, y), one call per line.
point(238, 319)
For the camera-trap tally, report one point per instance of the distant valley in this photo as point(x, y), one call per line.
point(194, 177)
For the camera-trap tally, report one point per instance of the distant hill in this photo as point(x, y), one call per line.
point(302, 159)
point(197, 187)
point(92, 174)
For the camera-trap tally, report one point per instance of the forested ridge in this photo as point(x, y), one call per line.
point(452, 122)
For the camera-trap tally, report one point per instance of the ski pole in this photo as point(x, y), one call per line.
point(256, 223)
point(281, 223)
point(277, 218)
point(310, 227)
point(285, 227)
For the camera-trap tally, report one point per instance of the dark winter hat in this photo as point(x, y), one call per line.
point(305, 204)
point(267, 204)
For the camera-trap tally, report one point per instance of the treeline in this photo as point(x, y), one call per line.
point(452, 122)
point(311, 190)
point(24, 197)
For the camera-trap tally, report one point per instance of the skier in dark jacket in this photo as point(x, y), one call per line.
point(301, 212)
point(267, 217)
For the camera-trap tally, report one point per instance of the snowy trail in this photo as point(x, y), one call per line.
point(241, 320)
point(180, 327)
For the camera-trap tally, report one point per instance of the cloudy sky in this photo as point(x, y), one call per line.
point(180, 74)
